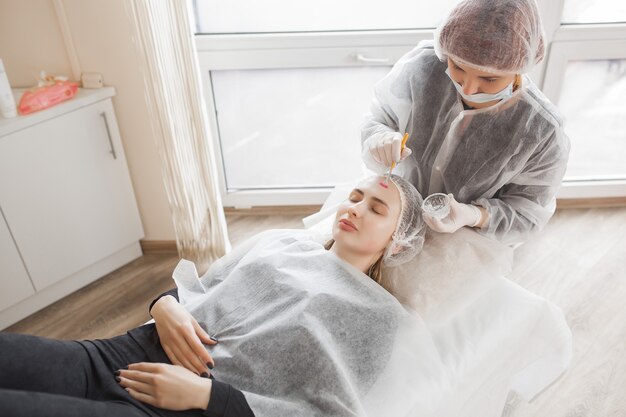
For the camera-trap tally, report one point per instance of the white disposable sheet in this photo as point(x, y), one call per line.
point(493, 335)
point(303, 333)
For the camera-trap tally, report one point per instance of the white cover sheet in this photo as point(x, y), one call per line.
point(492, 336)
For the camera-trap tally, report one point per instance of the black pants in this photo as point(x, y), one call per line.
point(44, 377)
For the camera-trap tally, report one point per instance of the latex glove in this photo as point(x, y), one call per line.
point(165, 386)
point(384, 149)
point(181, 336)
point(460, 215)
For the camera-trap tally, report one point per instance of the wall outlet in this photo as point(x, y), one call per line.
point(92, 80)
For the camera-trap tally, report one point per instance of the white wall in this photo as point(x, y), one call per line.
point(31, 40)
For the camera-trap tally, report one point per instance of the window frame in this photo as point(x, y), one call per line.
point(291, 50)
point(583, 42)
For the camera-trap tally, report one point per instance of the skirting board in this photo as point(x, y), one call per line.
point(55, 292)
point(273, 210)
point(150, 246)
point(565, 203)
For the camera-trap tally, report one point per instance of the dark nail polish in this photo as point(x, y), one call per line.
point(210, 365)
point(204, 375)
point(126, 367)
point(117, 378)
point(213, 339)
point(116, 372)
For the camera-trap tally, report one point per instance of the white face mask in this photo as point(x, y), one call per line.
point(482, 97)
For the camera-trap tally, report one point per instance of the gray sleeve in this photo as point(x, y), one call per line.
point(173, 292)
point(227, 401)
point(528, 201)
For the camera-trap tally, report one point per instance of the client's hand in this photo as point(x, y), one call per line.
point(166, 386)
point(181, 336)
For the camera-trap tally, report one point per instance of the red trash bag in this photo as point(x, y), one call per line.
point(40, 98)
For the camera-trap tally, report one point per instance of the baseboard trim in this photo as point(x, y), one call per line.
point(150, 246)
point(565, 203)
point(273, 210)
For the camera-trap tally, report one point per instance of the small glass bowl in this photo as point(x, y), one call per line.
point(437, 205)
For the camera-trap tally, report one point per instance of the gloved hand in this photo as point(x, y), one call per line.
point(460, 215)
point(384, 149)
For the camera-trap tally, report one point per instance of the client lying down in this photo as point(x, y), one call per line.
point(297, 329)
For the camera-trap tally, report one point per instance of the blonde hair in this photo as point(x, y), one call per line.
point(517, 83)
point(375, 270)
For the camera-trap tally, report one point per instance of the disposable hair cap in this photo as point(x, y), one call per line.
point(494, 36)
point(408, 238)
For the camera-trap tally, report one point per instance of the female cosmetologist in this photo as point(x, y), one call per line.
point(479, 129)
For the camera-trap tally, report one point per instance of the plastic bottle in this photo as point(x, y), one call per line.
point(7, 102)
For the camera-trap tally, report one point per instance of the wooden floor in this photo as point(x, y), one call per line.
point(120, 300)
point(578, 262)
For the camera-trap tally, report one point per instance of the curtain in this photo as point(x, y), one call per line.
point(164, 41)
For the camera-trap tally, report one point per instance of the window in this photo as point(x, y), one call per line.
point(585, 73)
point(594, 11)
point(592, 100)
point(287, 85)
point(301, 125)
point(279, 16)
point(301, 76)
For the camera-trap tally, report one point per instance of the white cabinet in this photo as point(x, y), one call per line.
point(66, 195)
point(14, 280)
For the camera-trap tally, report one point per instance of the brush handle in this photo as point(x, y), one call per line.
point(404, 140)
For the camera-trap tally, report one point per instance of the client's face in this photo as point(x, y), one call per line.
point(367, 219)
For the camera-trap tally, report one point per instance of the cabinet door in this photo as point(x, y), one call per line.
point(14, 282)
point(68, 201)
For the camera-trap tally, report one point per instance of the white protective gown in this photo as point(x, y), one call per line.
point(509, 158)
point(303, 333)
